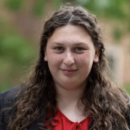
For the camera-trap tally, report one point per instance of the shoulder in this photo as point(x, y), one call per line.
point(8, 97)
point(7, 100)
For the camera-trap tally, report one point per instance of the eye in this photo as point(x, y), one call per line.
point(59, 49)
point(79, 49)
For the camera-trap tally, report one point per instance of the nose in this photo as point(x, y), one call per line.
point(68, 59)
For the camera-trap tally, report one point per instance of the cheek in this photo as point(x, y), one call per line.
point(54, 61)
point(86, 59)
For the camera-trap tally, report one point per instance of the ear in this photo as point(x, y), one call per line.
point(97, 54)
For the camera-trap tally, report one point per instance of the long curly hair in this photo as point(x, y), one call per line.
point(103, 101)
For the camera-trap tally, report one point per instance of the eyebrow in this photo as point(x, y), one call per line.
point(77, 43)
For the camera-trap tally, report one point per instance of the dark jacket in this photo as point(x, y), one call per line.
point(8, 99)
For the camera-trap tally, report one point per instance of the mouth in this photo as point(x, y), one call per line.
point(69, 71)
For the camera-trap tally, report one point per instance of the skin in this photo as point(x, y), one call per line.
point(70, 54)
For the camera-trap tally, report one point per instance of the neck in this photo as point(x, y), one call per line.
point(66, 97)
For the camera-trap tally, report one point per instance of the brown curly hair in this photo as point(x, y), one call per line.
point(103, 101)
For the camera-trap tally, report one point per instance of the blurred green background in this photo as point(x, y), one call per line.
point(21, 23)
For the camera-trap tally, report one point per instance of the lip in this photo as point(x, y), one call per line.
point(69, 71)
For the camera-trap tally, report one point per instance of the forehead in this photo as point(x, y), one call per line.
point(70, 34)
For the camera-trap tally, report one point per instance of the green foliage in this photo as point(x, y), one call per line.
point(117, 34)
point(16, 47)
point(57, 3)
point(14, 5)
point(4, 86)
point(16, 54)
point(110, 9)
point(116, 9)
point(38, 8)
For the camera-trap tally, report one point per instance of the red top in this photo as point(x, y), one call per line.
point(61, 122)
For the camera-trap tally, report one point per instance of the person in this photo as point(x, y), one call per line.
point(69, 88)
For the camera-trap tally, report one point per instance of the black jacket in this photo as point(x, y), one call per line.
point(7, 99)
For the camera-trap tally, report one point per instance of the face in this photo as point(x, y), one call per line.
point(70, 54)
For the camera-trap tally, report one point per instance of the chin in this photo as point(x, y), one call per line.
point(70, 86)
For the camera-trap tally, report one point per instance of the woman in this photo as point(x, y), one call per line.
point(69, 88)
